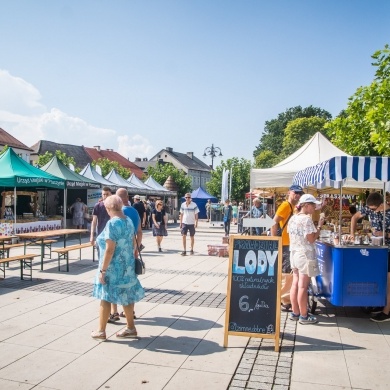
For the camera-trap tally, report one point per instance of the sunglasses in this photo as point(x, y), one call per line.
point(188, 197)
point(374, 208)
point(298, 193)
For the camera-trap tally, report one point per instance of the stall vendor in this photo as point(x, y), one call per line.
point(375, 209)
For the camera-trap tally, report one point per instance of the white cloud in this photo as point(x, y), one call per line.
point(27, 119)
point(134, 146)
point(18, 96)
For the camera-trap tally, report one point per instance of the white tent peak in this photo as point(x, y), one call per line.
point(314, 151)
point(317, 149)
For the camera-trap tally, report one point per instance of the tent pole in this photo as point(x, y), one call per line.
point(384, 213)
point(15, 205)
point(341, 210)
point(65, 201)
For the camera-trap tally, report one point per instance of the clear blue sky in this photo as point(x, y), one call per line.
point(138, 76)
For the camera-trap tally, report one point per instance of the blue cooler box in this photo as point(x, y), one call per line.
point(352, 275)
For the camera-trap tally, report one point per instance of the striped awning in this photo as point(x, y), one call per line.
point(335, 171)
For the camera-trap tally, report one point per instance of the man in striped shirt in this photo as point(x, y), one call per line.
point(188, 222)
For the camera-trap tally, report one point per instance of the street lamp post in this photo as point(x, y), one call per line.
point(212, 151)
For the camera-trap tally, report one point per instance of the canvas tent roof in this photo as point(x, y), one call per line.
point(90, 173)
point(314, 151)
point(348, 172)
point(200, 197)
point(158, 189)
point(117, 179)
point(15, 172)
point(72, 179)
point(200, 193)
point(143, 188)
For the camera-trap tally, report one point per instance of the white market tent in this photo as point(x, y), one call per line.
point(143, 188)
point(118, 180)
point(158, 187)
point(314, 151)
point(90, 172)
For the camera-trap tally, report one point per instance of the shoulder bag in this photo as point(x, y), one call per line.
point(280, 230)
point(139, 263)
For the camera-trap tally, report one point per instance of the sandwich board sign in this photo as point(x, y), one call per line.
point(253, 292)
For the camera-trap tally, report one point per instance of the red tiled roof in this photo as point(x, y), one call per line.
point(8, 139)
point(95, 154)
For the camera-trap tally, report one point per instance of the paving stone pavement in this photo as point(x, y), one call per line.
point(45, 325)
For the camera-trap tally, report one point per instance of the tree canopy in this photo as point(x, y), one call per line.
point(107, 166)
point(5, 148)
point(273, 134)
point(300, 130)
point(240, 178)
point(43, 159)
point(161, 172)
point(364, 126)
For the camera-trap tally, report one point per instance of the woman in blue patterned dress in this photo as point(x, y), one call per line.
point(116, 281)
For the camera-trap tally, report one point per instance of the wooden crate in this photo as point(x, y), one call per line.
point(218, 250)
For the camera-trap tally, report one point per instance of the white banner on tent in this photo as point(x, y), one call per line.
point(92, 197)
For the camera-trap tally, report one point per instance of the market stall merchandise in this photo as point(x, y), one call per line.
point(15, 173)
point(73, 181)
point(352, 273)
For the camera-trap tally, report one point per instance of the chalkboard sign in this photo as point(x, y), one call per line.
point(253, 296)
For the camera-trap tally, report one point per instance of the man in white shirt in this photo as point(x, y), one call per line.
point(188, 222)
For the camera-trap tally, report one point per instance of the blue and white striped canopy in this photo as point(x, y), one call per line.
point(335, 171)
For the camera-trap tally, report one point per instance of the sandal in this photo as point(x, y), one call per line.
point(97, 335)
point(127, 333)
point(113, 318)
point(123, 315)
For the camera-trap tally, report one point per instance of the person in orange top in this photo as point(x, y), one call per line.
point(282, 215)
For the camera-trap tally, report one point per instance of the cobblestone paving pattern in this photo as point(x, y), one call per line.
point(171, 296)
point(262, 368)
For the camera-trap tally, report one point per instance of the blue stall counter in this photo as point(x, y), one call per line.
point(352, 275)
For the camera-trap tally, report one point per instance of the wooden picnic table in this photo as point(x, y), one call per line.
point(2, 244)
point(39, 238)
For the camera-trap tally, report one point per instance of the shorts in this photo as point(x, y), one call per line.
point(299, 261)
point(186, 228)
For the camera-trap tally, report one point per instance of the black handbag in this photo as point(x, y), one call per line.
point(139, 263)
point(139, 266)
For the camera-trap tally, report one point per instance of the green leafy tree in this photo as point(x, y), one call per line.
point(266, 159)
point(107, 166)
point(43, 159)
point(161, 172)
point(364, 126)
point(299, 131)
point(240, 178)
point(6, 147)
point(273, 133)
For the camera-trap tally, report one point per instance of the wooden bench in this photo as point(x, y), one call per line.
point(25, 262)
point(45, 244)
point(63, 253)
point(4, 249)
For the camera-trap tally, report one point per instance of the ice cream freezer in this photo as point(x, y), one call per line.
point(351, 275)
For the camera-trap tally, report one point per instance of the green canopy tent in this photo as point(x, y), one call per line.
point(17, 173)
point(72, 179)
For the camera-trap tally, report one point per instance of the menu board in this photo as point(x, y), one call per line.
point(253, 296)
